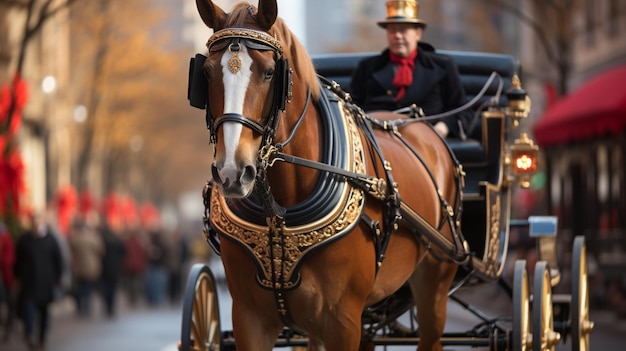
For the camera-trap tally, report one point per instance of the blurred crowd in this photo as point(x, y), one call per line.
point(93, 260)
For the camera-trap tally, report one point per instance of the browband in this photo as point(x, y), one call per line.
point(245, 33)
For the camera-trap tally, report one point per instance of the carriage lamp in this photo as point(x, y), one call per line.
point(523, 160)
point(519, 102)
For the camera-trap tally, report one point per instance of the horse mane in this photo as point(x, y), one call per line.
point(299, 58)
point(293, 49)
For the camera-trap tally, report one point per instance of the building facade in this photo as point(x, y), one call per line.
point(42, 139)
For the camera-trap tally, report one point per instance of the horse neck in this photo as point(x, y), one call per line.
point(296, 183)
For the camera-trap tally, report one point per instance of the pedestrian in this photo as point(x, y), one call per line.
point(156, 273)
point(38, 269)
point(112, 267)
point(178, 254)
point(87, 251)
point(7, 281)
point(409, 72)
point(135, 262)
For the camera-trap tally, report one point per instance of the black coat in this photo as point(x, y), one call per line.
point(436, 86)
point(38, 267)
point(113, 259)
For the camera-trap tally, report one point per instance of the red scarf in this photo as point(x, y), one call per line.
point(404, 74)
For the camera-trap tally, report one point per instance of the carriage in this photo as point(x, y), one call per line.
point(296, 271)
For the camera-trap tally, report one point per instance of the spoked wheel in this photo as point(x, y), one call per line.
point(581, 325)
point(201, 316)
point(544, 336)
point(522, 339)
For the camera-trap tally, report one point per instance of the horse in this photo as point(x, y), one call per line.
point(307, 208)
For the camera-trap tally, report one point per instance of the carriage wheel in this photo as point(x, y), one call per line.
point(522, 339)
point(201, 316)
point(581, 325)
point(544, 336)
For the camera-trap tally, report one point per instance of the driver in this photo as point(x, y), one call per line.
point(409, 72)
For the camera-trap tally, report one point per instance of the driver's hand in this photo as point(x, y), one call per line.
point(442, 129)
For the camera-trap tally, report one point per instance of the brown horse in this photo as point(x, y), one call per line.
point(317, 273)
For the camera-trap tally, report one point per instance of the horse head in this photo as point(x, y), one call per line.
point(248, 83)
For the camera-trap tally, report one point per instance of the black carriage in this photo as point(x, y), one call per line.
point(493, 164)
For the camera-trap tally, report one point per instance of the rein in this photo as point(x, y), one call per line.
point(377, 188)
point(413, 109)
point(385, 190)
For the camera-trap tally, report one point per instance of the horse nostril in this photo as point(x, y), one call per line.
point(248, 175)
point(216, 174)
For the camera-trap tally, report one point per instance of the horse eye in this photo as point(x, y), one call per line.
point(269, 74)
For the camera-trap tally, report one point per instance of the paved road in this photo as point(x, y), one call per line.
point(149, 329)
point(145, 329)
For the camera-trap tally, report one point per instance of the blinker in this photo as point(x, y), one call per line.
point(198, 86)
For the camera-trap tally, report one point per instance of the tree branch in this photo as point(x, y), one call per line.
point(536, 27)
point(14, 3)
point(44, 14)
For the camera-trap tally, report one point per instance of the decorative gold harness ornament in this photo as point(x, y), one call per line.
point(234, 62)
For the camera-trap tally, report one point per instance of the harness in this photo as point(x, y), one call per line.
point(280, 275)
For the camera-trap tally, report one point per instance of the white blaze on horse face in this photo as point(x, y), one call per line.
point(235, 87)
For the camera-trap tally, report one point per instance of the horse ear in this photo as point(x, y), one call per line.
point(212, 15)
point(267, 13)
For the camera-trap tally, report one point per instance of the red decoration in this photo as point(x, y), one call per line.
point(20, 91)
point(111, 211)
point(67, 201)
point(13, 98)
point(129, 212)
point(11, 181)
point(18, 94)
point(87, 203)
point(5, 99)
point(150, 215)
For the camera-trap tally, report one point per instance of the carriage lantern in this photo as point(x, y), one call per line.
point(523, 159)
point(524, 153)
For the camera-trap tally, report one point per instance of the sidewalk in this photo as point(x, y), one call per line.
point(134, 328)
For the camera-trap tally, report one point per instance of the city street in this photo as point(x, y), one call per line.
point(158, 329)
point(154, 329)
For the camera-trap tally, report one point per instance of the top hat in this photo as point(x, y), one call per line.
point(403, 11)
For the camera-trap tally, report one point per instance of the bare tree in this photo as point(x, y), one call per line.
point(37, 13)
point(551, 21)
point(134, 86)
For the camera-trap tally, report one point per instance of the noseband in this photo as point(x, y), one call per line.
point(232, 38)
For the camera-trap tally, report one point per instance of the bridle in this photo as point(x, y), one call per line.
point(232, 39)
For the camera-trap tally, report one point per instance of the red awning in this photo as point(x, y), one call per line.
point(595, 109)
